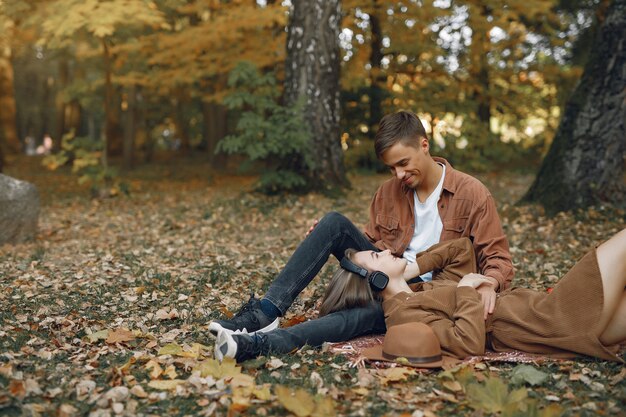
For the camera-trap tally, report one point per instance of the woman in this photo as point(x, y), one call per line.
point(584, 314)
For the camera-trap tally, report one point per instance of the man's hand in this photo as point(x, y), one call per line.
point(315, 222)
point(486, 286)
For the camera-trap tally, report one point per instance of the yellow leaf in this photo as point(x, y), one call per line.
point(396, 374)
point(120, 336)
point(262, 393)
point(299, 402)
point(99, 335)
point(227, 368)
point(242, 380)
point(453, 386)
point(170, 349)
point(138, 391)
point(165, 385)
point(324, 407)
point(154, 368)
point(170, 372)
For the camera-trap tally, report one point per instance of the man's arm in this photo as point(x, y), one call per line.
point(491, 245)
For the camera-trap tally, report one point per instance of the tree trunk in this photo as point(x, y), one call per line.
point(8, 121)
point(181, 122)
point(377, 77)
point(312, 76)
point(129, 129)
point(214, 129)
point(585, 164)
point(479, 68)
point(112, 131)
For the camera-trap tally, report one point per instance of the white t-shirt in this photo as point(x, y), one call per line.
point(428, 225)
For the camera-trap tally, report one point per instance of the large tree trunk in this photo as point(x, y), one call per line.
point(312, 75)
point(585, 164)
point(8, 121)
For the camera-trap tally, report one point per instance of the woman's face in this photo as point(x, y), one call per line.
point(380, 261)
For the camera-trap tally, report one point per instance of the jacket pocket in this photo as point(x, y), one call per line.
point(388, 227)
point(454, 227)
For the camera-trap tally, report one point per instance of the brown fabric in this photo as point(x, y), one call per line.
point(535, 322)
point(466, 208)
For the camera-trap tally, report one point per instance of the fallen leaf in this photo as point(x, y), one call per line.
point(138, 391)
point(454, 386)
point(17, 388)
point(399, 373)
point(493, 396)
point(170, 349)
point(119, 336)
point(227, 368)
point(528, 374)
point(99, 335)
point(66, 410)
point(299, 402)
point(154, 368)
point(274, 363)
point(170, 372)
point(165, 385)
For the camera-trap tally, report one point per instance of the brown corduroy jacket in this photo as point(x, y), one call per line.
point(466, 208)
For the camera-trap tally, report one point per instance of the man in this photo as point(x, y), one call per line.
point(425, 202)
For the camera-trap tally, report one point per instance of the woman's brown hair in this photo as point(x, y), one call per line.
point(346, 290)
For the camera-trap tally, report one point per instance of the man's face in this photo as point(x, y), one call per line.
point(408, 163)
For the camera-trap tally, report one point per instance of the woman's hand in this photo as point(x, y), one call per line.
point(473, 280)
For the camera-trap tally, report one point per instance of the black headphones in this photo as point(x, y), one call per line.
point(378, 280)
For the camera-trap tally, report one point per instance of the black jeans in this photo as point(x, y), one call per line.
point(333, 235)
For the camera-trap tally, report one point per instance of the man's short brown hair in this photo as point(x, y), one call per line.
point(402, 126)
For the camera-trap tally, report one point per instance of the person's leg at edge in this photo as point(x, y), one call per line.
point(612, 264)
point(335, 327)
point(333, 235)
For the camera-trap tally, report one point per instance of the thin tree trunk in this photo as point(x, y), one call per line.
point(312, 76)
point(377, 77)
point(129, 129)
point(8, 121)
point(214, 129)
point(479, 67)
point(112, 130)
point(585, 164)
point(180, 120)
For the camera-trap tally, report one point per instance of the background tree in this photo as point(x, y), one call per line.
point(585, 164)
point(312, 77)
point(9, 141)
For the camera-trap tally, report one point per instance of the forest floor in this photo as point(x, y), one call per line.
point(106, 312)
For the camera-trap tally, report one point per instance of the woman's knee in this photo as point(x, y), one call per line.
point(334, 217)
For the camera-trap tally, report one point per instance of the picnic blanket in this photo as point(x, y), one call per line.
point(354, 347)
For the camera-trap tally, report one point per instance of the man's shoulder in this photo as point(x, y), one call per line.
point(389, 187)
point(464, 185)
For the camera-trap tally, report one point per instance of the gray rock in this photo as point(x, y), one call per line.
point(19, 210)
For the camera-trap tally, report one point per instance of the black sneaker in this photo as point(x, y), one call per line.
point(240, 346)
point(249, 319)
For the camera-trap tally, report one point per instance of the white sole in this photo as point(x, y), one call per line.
point(225, 346)
point(215, 328)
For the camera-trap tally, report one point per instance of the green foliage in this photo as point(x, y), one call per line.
point(86, 157)
point(267, 131)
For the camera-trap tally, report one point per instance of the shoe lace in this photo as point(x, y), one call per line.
point(246, 310)
point(256, 348)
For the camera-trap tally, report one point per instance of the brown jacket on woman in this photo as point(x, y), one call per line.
point(530, 321)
